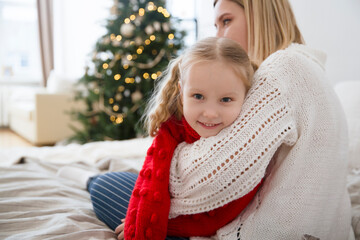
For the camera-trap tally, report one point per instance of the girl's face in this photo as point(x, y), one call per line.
point(212, 96)
point(230, 22)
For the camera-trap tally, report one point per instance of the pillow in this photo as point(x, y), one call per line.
point(349, 95)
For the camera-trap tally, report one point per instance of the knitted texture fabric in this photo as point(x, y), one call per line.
point(291, 132)
point(148, 211)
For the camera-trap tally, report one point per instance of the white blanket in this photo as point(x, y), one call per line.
point(36, 204)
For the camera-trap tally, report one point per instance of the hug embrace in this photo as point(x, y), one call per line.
point(250, 141)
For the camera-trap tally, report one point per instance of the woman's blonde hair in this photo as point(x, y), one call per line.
point(165, 101)
point(271, 27)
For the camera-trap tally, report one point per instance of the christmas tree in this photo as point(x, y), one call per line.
point(141, 40)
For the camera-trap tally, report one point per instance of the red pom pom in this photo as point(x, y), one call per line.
point(150, 151)
point(154, 218)
point(148, 233)
point(162, 154)
point(132, 230)
point(157, 196)
point(147, 173)
point(160, 174)
point(136, 192)
point(143, 192)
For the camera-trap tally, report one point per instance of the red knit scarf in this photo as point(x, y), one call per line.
point(148, 211)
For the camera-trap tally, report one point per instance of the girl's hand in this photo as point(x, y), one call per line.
point(120, 230)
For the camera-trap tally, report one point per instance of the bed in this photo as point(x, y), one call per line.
point(35, 203)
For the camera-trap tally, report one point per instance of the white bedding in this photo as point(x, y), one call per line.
point(36, 204)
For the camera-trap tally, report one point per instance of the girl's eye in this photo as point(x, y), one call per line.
point(226, 99)
point(198, 96)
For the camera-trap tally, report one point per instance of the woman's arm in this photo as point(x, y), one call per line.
point(214, 171)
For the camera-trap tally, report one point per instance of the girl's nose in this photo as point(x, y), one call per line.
point(210, 112)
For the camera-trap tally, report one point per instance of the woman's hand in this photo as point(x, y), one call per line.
point(120, 230)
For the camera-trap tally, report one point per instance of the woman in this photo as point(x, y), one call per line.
point(291, 132)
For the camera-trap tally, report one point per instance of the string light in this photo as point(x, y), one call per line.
point(147, 41)
point(118, 38)
point(132, 17)
point(158, 73)
point(121, 88)
point(115, 108)
point(126, 66)
point(112, 118)
point(154, 76)
point(160, 9)
point(171, 36)
point(129, 80)
point(152, 37)
point(154, 51)
point(139, 51)
point(111, 100)
point(146, 75)
point(105, 66)
point(119, 119)
point(112, 36)
point(127, 20)
point(129, 57)
point(141, 12)
point(117, 77)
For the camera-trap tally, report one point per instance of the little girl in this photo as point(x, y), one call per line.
point(200, 94)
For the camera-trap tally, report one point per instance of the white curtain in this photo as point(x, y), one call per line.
point(45, 19)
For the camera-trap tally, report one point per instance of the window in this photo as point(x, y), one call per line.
point(19, 42)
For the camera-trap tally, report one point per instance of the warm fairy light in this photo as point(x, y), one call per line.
point(111, 100)
point(158, 73)
point(119, 119)
point(112, 118)
point(121, 88)
point(171, 36)
point(141, 12)
point(118, 38)
point(129, 57)
point(154, 76)
point(147, 41)
point(132, 42)
point(117, 77)
point(152, 37)
point(146, 75)
point(126, 66)
point(116, 108)
point(151, 6)
point(134, 57)
point(127, 20)
point(129, 80)
point(139, 51)
point(160, 9)
point(132, 17)
point(166, 13)
point(154, 52)
point(105, 66)
point(112, 36)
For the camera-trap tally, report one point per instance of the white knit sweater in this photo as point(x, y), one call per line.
point(292, 131)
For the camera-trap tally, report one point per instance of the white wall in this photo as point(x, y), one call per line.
point(334, 27)
point(77, 26)
point(329, 25)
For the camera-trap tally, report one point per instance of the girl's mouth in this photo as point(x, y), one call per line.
point(209, 125)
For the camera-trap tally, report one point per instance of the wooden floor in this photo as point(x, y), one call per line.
point(10, 139)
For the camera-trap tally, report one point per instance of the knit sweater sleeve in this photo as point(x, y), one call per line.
point(214, 171)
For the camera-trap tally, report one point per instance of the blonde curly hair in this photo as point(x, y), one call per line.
point(166, 102)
